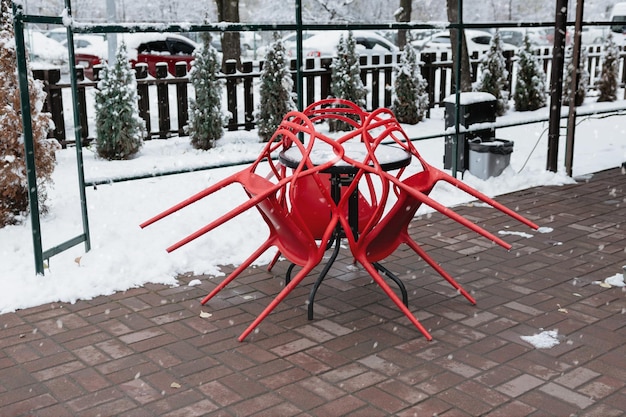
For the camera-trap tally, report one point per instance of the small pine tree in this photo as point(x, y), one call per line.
point(493, 76)
point(607, 85)
point(346, 80)
point(583, 77)
point(119, 128)
point(530, 85)
point(410, 101)
point(206, 119)
point(276, 90)
point(13, 176)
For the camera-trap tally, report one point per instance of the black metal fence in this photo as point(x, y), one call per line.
point(163, 100)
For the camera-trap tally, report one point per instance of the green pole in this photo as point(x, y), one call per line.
point(22, 74)
point(77, 131)
point(457, 87)
point(299, 81)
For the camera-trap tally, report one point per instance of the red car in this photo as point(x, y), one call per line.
point(149, 48)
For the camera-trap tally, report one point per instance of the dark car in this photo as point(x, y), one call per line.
point(148, 48)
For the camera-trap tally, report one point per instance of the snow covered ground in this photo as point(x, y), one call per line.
point(124, 256)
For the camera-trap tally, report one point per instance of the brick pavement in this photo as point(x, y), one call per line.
point(148, 352)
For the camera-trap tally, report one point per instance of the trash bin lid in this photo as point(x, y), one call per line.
point(495, 146)
point(470, 97)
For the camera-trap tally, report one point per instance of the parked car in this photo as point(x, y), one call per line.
point(289, 42)
point(477, 41)
point(44, 51)
point(515, 36)
point(324, 43)
point(148, 48)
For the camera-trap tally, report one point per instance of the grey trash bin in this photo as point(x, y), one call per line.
point(474, 107)
point(488, 158)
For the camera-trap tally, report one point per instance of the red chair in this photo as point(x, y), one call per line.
point(308, 197)
point(385, 232)
point(288, 229)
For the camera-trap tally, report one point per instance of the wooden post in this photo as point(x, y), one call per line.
point(54, 102)
point(163, 100)
point(141, 73)
point(248, 95)
point(182, 100)
point(556, 85)
point(231, 94)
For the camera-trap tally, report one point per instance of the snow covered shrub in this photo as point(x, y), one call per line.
point(13, 177)
point(410, 102)
point(583, 76)
point(607, 85)
point(119, 128)
point(530, 84)
point(346, 80)
point(493, 76)
point(276, 90)
point(206, 120)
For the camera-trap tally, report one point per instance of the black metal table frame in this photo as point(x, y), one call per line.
point(343, 175)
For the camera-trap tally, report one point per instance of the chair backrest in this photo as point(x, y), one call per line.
point(306, 210)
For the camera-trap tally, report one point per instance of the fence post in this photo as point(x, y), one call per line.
point(309, 64)
point(474, 64)
point(182, 100)
point(231, 94)
point(622, 56)
point(363, 74)
point(508, 58)
point(388, 79)
point(163, 100)
point(54, 101)
point(428, 73)
point(248, 95)
point(443, 83)
point(82, 105)
point(141, 73)
point(375, 82)
point(325, 78)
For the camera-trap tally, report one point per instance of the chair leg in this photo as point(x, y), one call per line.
point(280, 297)
point(265, 246)
point(274, 260)
point(382, 284)
point(430, 261)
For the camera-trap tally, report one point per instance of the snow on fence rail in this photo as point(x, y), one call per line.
point(163, 100)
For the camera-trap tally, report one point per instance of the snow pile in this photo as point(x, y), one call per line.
point(544, 340)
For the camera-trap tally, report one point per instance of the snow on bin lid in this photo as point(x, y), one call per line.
point(494, 146)
point(471, 97)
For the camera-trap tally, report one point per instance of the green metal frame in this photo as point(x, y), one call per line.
point(40, 255)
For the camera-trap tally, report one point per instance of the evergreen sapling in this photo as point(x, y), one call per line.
point(276, 91)
point(206, 119)
point(119, 128)
point(346, 80)
point(410, 101)
point(493, 75)
point(583, 77)
point(530, 85)
point(607, 85)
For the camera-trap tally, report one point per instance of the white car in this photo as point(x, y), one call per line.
point(44, 51)
point(477, 41)
point(515, 36)
point(325, 43)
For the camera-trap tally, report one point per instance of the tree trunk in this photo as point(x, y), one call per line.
point(228, 11)
point(466, 75)
point(404, 15)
